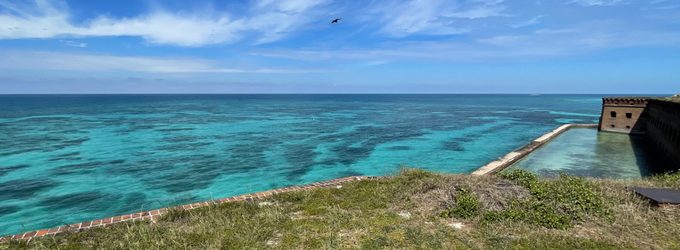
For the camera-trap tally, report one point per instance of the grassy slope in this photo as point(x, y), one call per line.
point(415, 209)
point(671, 99)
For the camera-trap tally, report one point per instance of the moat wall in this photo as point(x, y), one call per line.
point(657, 120)
point(663, 131)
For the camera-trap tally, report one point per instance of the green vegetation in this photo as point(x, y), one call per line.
point(671, 99)
point(558, 203)
point(466, 205)
point(414, 209)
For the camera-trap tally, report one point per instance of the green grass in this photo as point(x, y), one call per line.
point(414, 210)
point(670, 98)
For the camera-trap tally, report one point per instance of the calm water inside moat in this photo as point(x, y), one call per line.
point(586, 152)
point(69, 158)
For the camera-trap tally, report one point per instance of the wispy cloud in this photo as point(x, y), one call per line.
point(278, 19)
point(451, 30)
point(82, 62)
point(597, 2)
point(432, 17)
point(269, 21)
point(665, 4)
point(538, 44)
point(375, 63)
point(73, 43)
point(533, 21)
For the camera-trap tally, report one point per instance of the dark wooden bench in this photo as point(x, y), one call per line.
point(659, 196)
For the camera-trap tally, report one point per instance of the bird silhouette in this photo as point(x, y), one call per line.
point(336, 20)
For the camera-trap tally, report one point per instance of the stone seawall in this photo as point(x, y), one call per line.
point(514, 156)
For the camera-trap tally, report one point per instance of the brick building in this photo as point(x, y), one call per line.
point(658, 120)
point(623, 115)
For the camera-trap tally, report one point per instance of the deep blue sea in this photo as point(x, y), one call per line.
point(70, 158)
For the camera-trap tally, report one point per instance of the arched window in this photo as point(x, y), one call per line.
point(613, 113)
point(629, 115)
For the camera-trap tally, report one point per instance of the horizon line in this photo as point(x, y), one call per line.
point(339, 93)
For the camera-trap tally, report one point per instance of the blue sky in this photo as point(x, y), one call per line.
point(389, 46)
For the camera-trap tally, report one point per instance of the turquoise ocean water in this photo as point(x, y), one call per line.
point(69, 158)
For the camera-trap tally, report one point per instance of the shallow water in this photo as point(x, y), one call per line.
point(69, 158)
point(585, 152)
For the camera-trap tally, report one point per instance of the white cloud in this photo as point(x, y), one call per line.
point(73, 43)
point(280, 18)
point(375, 63)
point(270, 21)
point(542, 43)
point(597, 2)
point(291, 6)
point(533, 21)
point(41, 60)
point(432, 17)
point(664, 4)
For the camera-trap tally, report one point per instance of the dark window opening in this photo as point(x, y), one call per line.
point(629, 115)
point(613, 113)
point(613, 125)
point(627, 126)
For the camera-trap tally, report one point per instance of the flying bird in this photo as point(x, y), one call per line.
point(336, 20)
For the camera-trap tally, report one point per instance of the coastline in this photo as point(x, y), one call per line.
point(152, 215)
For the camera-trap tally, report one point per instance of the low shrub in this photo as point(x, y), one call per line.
point(555, 203)
point(465, 205)
point(521, 177)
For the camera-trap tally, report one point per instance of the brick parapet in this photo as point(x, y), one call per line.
point(625, 101)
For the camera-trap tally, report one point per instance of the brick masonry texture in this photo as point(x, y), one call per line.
point(153, 215)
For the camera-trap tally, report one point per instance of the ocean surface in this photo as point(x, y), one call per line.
point(70, 158)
